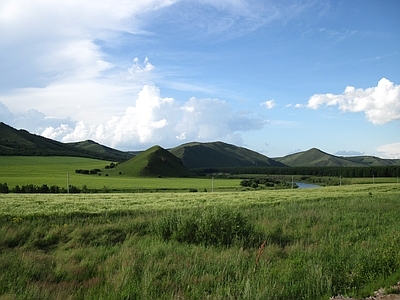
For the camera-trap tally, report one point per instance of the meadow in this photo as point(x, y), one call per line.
point(265, 244)
point(52, 170)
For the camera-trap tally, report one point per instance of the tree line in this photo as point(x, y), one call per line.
point(38, 189)
point(350, 172)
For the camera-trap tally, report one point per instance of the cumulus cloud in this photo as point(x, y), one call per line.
point(61, 74)
point(143, 122)
point(381, 104)
point(390, 150)
point(32, 120)
point(153, 119)
point(5, 114)
point(269, 104)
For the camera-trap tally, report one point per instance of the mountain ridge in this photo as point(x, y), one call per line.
point(220, 154)
point(23, 143)
point(193, 154)
point(317, 158)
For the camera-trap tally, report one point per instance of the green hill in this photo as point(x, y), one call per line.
point(317, 158)
point(219, 154)
point(373, 161)
point(21, 142)
point(92, 146)
point(155, 161)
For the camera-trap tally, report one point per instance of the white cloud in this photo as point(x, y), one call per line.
point(5, 114)
point(212, 119)
point(269, 104)
point(142, 123)
point(138, 69)
point(55, 133)
point(62, 35)
point(60, 75)
point(381, 104)
point(153, 119)
point(390, 150)
point(349, 153)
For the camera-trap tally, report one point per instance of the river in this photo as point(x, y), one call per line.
point(303, 185)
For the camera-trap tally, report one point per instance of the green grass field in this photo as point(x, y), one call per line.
point(167, 245)
point(23, 170)
point(319, 243)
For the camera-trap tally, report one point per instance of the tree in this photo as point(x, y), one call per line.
point(4, 188)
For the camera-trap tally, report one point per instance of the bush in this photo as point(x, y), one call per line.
point(4, 188)
point(209, 227)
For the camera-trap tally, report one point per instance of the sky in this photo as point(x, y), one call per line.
point(273, 76)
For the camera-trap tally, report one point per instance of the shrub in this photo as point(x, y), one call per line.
point(209, 227)
point(4, 188)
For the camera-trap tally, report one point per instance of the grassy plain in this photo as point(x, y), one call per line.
point(23, 170)
point(319, 243)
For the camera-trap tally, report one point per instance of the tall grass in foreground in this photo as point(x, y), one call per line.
point(315, 248)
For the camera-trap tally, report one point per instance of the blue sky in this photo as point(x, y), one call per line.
point(276, 77)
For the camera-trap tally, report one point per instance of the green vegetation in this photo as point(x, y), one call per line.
point(317, 158)
point(344, 172)
point(103, 151)
point(21, 142)
point(154, 162)
point(193, 155)
point(318, 243)
point(269, 182)
point(53, 171)
point(254, 242)
point(219, 154)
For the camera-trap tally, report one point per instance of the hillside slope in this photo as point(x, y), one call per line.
point(373, 161)
point(219, 154)
point(21, 142)
point(317, 158)
point(92, 146)
point(155, 161)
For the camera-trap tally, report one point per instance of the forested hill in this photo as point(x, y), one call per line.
point(21, 142)
point(155, 161)
point(317, 158)
point(219, 154)
point(92, 146)
point(193, 155)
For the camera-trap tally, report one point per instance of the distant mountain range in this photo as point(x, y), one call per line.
point(180, 159)
point(317, 158)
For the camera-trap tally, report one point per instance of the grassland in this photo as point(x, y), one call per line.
point(319, 243)
point(23, 170)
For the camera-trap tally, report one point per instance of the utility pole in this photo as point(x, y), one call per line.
point(67, 183)
point(212, 184)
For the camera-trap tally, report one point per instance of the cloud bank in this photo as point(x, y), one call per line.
point(390, 150)
point(60, 77)
point(381, 104)
point(152, 119)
